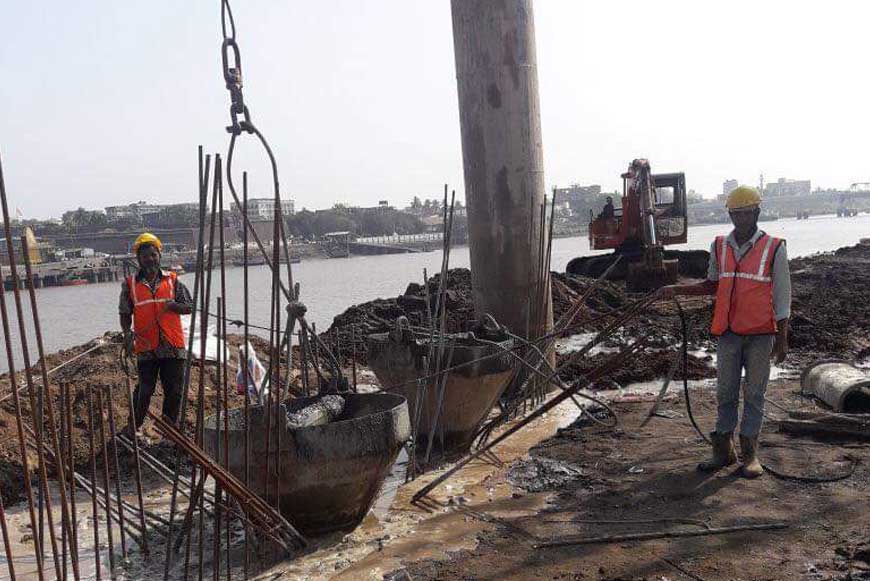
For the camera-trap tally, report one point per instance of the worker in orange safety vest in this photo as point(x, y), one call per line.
point(748, 273)
point(150, 307)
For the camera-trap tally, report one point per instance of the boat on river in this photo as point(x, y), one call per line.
point(75, 281)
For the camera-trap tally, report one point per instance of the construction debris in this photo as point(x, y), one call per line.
point(322, 411)
point(817, 423)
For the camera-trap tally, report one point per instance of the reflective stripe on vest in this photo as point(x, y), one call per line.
point(151, 319)
point(744, 296)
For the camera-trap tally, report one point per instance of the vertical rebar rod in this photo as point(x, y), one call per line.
point(222, 362)
point(68, 407)
point(64, 539)
point(218, 428)
point(19, 422)
point(353, 354)
point(202, 185)
point(196, 500)
point(36, 398)
point(245, 367)
point(6, 546)
point(303, 361)
point(137, 468)
point(267, 408)
point(113, 434)
point(95, 515)
point(200, 410)
point(106, 484)
point(226, 404)
point(315, 352)
point(537, 385)
point(49, 405)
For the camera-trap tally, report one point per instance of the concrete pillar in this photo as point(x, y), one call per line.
point(499, 115)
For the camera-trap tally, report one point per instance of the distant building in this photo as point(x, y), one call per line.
point(144, 211)
point(264, 208)
point(729, 186)
point(786, 187)
point(136, 210)
point(383, 206)
point(576, 195)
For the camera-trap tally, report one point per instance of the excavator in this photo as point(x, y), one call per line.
point(653, 215)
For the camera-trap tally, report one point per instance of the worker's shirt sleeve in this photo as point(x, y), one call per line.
point(182, 295)
point(781, 284)
point(712, 265)
point(125, 303)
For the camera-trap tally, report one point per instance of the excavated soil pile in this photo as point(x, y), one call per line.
point(831, 311)
point(347, 335)
point(606, 301)
point(831, 316)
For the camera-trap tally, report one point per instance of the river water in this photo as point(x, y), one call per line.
point(74, 315)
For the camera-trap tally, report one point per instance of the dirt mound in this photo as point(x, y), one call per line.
point(348, 332)
point(831, 310)
point(98, 370)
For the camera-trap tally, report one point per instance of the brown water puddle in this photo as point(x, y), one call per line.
point(454, 514)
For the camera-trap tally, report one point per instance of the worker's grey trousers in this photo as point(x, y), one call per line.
point(734, 354)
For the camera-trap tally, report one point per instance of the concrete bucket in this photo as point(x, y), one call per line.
point(482, 373)
point(329, 474)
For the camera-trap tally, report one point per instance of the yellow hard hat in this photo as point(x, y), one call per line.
point(147, 238)
point(743, 197)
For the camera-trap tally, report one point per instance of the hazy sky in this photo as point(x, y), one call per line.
point(105, 102)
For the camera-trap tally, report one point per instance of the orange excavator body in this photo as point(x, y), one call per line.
point(653, 214)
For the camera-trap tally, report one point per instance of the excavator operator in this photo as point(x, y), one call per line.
point(749, 275)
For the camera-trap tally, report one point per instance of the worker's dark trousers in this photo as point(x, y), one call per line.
point(171, 373)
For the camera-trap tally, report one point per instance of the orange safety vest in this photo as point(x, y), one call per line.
point(744, 296)
point(150, 317)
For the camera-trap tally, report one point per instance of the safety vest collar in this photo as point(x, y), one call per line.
point(140, 275)
point(761, 275)
point(147, 296)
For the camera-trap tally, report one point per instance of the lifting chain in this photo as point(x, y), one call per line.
point(232, 68)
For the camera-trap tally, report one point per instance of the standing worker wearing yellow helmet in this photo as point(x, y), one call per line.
point(748, 272)
point(151, 304)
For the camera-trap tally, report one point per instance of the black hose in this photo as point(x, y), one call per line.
point(776, 473)
point(684, 329)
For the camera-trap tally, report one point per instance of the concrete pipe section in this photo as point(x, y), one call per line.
point(839, 384)
point(470, 391)
point(329, 474)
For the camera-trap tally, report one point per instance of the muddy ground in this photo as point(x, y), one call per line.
point(592, 482)
point(100, 369)
point(586, 468)
point(831, 315)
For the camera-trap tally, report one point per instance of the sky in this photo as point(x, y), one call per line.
point(104, 103)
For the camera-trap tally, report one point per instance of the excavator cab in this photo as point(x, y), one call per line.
point(624, 229)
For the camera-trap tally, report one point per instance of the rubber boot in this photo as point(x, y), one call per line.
point(749, 451)
point(723, 452)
